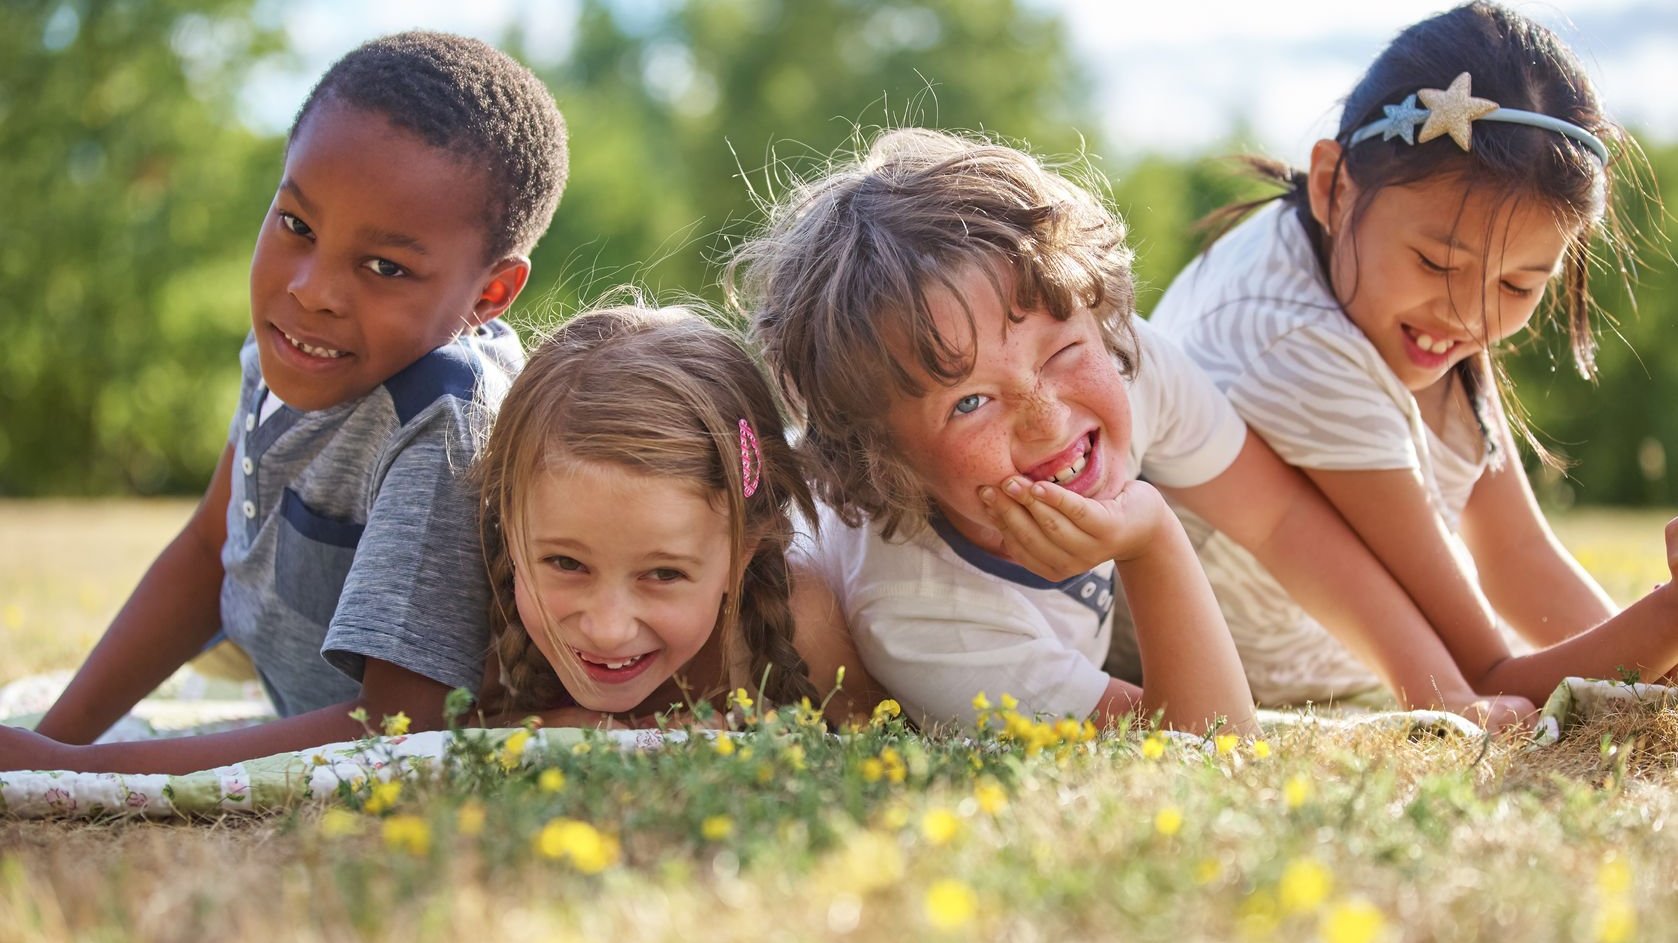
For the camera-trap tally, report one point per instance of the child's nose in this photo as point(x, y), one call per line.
point(1042, 415)
point(608, 623)
point(314, 288)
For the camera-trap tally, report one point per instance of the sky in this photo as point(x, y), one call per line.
point(1172, 76)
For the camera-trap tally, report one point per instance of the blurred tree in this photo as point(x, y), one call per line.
point(131, 196)
point(680, 113)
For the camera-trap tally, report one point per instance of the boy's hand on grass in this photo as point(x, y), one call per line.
point(1059, 534)
point(22, 749)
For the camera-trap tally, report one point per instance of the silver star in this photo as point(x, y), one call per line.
point(1402, 119)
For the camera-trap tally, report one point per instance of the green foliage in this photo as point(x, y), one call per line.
point(131, 195)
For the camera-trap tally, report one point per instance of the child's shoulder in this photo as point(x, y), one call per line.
point(475, 367)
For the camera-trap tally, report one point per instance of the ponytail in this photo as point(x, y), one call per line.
point(767, 628)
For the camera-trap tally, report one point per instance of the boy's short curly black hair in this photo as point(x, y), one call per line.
point(472, 100)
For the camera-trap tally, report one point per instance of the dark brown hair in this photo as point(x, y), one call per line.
point(1518, 64)
point(837, 285)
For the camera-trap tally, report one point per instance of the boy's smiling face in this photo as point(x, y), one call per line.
point(371, 256)
point(1045, 400)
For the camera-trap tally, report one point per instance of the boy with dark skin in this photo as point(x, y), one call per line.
point(336, 541)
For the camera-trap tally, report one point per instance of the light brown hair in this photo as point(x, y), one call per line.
point(659, 392)
point(839, 280)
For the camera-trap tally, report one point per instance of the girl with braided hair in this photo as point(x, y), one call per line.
point(638, 494)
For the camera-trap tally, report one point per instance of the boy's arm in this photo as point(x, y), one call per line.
point(171, 615)
point(823, 640)
point(1274, 512)
point(1532, 581)
point(385, 691)
point(1189, 662)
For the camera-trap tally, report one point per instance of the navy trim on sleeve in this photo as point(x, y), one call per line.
point(450, 370)
point(317, 528)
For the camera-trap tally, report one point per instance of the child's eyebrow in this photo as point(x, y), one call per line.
point(391, 239)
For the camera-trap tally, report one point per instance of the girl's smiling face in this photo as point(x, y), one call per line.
point(1435, 272)
point(621, 583)
point(1044, 400)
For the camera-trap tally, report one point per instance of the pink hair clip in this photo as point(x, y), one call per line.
point(751, 459)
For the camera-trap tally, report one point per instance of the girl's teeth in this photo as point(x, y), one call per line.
point(616, 665)
point(1431, 344)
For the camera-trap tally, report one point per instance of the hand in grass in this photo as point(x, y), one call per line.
point(1059, 534)
point(1494, 713)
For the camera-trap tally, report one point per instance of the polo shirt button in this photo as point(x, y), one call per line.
point(250, 421)
point(248, 465)
point(250, 509)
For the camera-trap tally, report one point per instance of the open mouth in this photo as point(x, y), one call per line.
point(319, 353)
point(1438, 346)
point(613, 670)
point(1063, 469)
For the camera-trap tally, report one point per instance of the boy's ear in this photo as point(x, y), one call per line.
point(506, 279)
point(1330, 192)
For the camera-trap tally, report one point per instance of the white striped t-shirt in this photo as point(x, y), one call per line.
point(1257, 314)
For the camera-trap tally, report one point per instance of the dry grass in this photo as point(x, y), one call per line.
point(1438, 839)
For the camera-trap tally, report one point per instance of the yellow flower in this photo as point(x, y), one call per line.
point(1009, 702)
point(580, 748)
point(886, 710)
point(408, 833)
point(1613, 877)
point(896, 770)
point(868, 861)
point(950, 904)
point(990, 796)
point(1087, 731)
point(1067, 730)
point(1168, 821)
point(717, 828)
point(551, 780)
point(894, 817)
point(396, 726)
point(582, 844)
point(723, 744)
point(1296, 791)
point(1208, 870)
point(319, 760)
point(1304, 886)
point(1154, 747)
point(1352, 921)
point(470, 819)
point(872, 769)
point(1261, 749)
point(741, 699)
point(939, 826)
point(384, 797)
point(807, 714)
point(980, 702)
point(1616, 922)
point(1225, 743)
point(794, 756)
point(512, 749)
point(338, 823)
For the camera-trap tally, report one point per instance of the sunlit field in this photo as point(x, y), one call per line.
point(1035, 831)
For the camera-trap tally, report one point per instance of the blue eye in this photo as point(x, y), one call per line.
point(969, 403)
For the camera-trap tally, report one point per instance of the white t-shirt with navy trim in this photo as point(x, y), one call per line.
point(938, 620)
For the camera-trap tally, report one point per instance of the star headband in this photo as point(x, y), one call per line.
point(1453, 110)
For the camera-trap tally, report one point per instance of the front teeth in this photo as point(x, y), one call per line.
point(313, 351)
point(618, 665)
point(1071, 471)
point(1433, 345)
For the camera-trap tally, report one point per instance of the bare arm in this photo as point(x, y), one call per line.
point(385, 691)
point(824, 640)
point(1530, 578)
point(1188, 660)
point(171, 615)
point(1298, 536)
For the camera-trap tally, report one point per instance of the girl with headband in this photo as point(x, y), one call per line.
point(636, 498)
point(1354, 323)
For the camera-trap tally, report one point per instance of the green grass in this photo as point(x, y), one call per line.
point(1337, 835)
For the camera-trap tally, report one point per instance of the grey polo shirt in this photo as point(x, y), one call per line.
point(352, 531)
